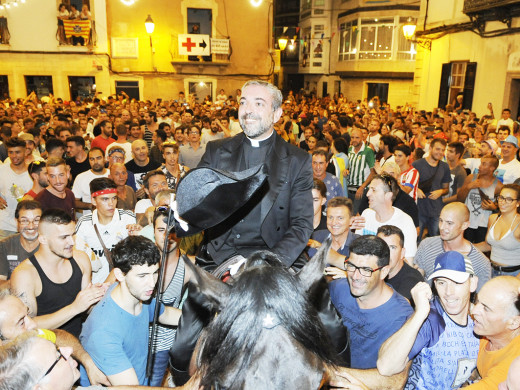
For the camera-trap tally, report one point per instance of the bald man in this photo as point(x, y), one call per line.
point(453, 221)
point(497, 321)
point(513, 377)
point(141, 164)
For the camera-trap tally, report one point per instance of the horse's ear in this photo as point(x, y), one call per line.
point(212, 288)
point(312, 272)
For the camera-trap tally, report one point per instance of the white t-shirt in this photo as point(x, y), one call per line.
point(142, 205)
point(81, 186)
point(88, 241)
point(12, 187)
point(400, 219)
point(509, 172)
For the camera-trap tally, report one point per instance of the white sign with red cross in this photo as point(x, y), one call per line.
point(194, 45)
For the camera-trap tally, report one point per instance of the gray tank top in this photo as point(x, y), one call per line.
point(506, 251)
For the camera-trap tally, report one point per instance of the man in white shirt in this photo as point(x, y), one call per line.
point(381, 193)
point(509, 167)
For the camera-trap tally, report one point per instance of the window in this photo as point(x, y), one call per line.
point(201, 89)
point(378, 89)
point(4, 87)
point(456, 78)
point(78, 29)
point(347, 40)
point(4, 31)
point(82, 87)
point(131, 88)
point(42, 85)
point(374, 39)
point(199, 22)
point(306, 4)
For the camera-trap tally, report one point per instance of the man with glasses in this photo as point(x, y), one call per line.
point(370, 309)
point(99, 232)
point(192, 152)
point(16, 248)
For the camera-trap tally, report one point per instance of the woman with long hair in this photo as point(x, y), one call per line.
point(503, 236)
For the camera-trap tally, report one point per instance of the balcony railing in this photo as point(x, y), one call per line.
point(76, 32)
point(474, 6)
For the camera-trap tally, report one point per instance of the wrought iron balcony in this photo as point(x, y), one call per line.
point(487, 10)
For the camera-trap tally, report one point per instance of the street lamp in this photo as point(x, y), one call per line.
point(409, 29)
point(282, 43)
point(149, 25)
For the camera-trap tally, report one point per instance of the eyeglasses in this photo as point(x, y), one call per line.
point(508, 200)
point(25, 222)
point(54, 364)
point(162, 209)
point(193, 132)
point(363, 271)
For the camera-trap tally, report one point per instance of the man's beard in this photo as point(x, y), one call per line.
point(257, 129)
point(43, 184)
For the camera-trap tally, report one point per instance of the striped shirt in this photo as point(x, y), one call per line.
point(431, 247)
point(410, 178)
point(360, 165)
point(171, 297)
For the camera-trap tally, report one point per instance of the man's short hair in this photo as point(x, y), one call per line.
point(101, 183)
point(404, 149)
point(162, 125)
point(173, 145)
point(6, 131)
point(14, 142)
point(458, 146)
point(103, 123)
point(26, 205)
point(494, 161)
point(438, 141)
point(161, 134)
point(275, 93)
point(35, 167)
point(53, 144)
point(55, 216)
point(114, 148)
point(134, 250)
point(391, 230)
point(390, 141)
point(98, 149)
point(77, 139)
point(153, 115)
point(17, 368)
point(55, 161)
point(320, 153)
point(389, 184)
point(373, 246)
point(120, 130)
point(340, 201)
point(155, 172)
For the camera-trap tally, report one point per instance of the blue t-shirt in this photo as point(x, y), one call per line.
point(369, 328)
point(117, 340)
point(444, 352)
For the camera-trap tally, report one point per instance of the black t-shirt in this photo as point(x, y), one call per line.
point(76, 168)
point(405, 280)
point(140, 171)
point(12, 253)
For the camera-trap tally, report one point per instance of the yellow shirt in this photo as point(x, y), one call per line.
point(47, 335)
point(493, 365)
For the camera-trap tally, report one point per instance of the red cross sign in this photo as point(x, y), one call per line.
point(194, 44)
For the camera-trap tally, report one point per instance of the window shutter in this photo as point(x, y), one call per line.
point(444, 89)
point(469, 85)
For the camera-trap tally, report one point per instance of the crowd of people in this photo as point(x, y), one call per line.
point(421, 209)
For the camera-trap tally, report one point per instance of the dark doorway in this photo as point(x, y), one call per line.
point(131, 88)
point(41, 85)
point(82, 87)
point(199, 22)
point(378, 89)
point(294, 82)
point(324, 88)
point(4, 87)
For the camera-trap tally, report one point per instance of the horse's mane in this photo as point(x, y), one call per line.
point(264, 298)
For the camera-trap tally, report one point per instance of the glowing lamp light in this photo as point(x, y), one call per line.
point(256, 3)
point(282, 43)
point(149, 25)
point(409, 29)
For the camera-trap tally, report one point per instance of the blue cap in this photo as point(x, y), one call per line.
point(452, 265)
point(511, 139)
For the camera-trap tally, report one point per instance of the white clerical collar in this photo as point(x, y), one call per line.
point(256, 143)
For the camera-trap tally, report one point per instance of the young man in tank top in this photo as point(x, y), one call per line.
point(55, 282)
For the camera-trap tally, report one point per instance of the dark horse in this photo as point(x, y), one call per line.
point(267, 333)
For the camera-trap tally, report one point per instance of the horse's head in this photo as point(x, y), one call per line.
point(265, 325)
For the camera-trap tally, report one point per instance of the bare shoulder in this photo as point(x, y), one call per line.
point(82, 260)
point(25, 277)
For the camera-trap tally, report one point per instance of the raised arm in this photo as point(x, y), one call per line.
point(393, 354)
